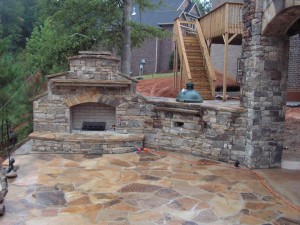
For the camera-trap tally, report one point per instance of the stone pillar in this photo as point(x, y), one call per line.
point(263, 90)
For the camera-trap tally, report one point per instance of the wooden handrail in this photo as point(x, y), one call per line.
point(205, 52)
point(181, 47)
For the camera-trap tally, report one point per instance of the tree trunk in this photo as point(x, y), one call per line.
point(126, 42)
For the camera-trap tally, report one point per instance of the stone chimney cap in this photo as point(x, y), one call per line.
point(94, 53)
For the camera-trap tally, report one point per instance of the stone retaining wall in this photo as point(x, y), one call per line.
point(205, 129)
point(211, 132)
point(80, 147)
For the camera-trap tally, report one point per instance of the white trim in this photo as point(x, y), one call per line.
point(191, 15)
point(165, 24)
point(181, 14)
point(198, 10)
point(181, 5)
point(192, 8)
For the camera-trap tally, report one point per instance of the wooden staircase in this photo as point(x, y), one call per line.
point(192, 40)
point(197, 66)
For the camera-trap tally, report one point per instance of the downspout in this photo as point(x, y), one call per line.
point(156, 53)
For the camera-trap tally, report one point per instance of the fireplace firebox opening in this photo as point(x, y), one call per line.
point(93, 117)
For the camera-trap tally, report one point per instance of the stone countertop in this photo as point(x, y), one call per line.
point(230, 106)
point(94, 137)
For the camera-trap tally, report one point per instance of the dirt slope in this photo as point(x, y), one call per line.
point(163, 87)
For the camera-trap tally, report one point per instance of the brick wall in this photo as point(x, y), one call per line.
point(92, 112)
point(165, 48)
point(147, 51)
point(294, 65)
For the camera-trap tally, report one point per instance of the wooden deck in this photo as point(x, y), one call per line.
point(227, 18)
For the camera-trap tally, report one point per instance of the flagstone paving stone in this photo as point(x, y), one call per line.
point(138, 188)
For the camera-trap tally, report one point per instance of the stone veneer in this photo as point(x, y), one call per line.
point(263, 89)
point(212, 129)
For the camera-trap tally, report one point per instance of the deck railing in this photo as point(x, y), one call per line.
point(178, 38)
point(227, 18)
point(207, 61)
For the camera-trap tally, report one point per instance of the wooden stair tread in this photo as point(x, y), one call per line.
point(196, 65)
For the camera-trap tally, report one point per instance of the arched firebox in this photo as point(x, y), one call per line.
point(92, 117)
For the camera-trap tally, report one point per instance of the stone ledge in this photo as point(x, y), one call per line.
point(229, 106)
point(91, 83)
point(101, 137)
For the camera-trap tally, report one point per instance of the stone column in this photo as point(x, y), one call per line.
point(263, 90)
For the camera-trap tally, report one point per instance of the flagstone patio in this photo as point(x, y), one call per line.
point(143, 188)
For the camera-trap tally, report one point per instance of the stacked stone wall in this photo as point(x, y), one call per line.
point(189, 128)
point(263, 89)
point(193, 129)
point(80, 147)
point(104, 65)
point(50, 116)
point(211, 134)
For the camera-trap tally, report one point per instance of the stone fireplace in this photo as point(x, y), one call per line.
point(70, 116)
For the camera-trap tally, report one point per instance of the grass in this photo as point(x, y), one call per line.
point(155, 75)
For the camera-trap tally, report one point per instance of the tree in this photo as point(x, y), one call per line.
point(126, 38)
point(204, 6)
point(11, 17)
point(64, 33)
point(126, 30)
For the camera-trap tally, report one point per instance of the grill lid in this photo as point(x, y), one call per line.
point(189, 94)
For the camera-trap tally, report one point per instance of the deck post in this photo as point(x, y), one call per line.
point(175, 67)
point(181, 75)
point(225, 37)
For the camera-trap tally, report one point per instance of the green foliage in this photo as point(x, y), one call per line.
point(72, 25)
point(17, 18)
point(11, 13)
point(204, 6)
point(140, 32)
point(43, 33)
